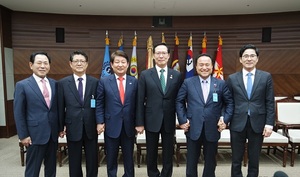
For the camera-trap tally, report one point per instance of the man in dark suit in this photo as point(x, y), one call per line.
point(36, 117)
point(157, 91)
point(115, 113)
point(254, 113)
point(76, 106)
point(199, 105)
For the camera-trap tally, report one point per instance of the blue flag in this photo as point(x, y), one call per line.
point(106, 62)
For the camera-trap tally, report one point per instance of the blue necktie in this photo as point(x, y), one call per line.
point(80, 89)
point(162, 80)
point(249, 84)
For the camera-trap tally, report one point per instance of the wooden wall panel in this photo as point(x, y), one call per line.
point(87, 33)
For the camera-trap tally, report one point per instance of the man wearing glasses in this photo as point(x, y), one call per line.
point(253, 118)
point(76, 106)
point(157, 91)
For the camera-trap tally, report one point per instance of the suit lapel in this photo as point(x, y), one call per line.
point(240, 81)
point(169, 79)
point(256, 81)
point(73, 88)
point(32, 83)
point(52, 85)
point(114, 87)
point(155, 78)
point(198, 87)
point(128, 89)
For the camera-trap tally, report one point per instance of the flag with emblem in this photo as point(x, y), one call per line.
point(189, 59)
point(175, 60)
point(106, 65)
point(133, 61)
point(218, 71)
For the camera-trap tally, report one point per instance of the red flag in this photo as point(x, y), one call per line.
point(204, 42)
point(175, 60)
point(218, 71)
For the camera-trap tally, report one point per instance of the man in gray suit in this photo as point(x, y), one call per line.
point(157, 91)
point(76, 106)
point(36, 117)
point(253, 118)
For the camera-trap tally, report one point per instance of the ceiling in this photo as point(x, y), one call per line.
point(153, 7)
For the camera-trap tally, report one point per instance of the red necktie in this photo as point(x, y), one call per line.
point(46, 93)
point(121, 89)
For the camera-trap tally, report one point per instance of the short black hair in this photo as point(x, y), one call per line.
point(249, 46)
point(164, 44)
point(33, 55)
point(120, 53)
point(78, 52)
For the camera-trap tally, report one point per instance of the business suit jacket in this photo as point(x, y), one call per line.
point(72, 113)
point(198, 112)
point(261, 103)
point(157, 107)
point(111, 111)
point(32, 116)
point(35, 120)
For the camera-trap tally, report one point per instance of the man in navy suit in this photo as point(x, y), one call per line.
point(199, 107)
point(76, 106)
point(254, 111)
point(157, 91)
point(115, 113)
point(36, 117)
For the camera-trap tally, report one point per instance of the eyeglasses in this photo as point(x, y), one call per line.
point(78, 61)
point(161, 53)
point(252, 56)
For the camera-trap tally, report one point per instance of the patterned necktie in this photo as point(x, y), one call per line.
point(80, 89)
point(205, 90)
point(46, 93)
point(249, 84)
point(162, 80)
point(121, 89)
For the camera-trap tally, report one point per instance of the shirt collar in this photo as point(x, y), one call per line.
point(76, 77)
point(201, 79)
point(124, 77)
point(245, 72)
point(158, 68)
point(38, 79)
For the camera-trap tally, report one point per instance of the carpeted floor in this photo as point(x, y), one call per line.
point(10, 165)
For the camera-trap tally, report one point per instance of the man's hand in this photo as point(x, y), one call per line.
point(267, 132)
point(221, 124)
point(100, 128)
point(185, 126)
point(140, 129)
point(26, 141)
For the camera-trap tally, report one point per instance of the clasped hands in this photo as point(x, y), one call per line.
point(221, 124)
point(100, 128)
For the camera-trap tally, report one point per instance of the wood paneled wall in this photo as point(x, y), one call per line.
point(36, 32)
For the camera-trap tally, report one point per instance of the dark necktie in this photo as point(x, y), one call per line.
point(162, 80)
point(80, 89)
point(46, 93)
point(121, 89)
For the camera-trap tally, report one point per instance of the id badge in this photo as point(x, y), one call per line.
point(93, 102)
point(215, 97)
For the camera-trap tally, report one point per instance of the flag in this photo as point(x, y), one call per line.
point(163, 38)
point(120, 43)
point(175, 61)
point(133, 61)
point(149, 58)
point(218, 71)
point(204, 43)
point(106, 60)
point(189, 59)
